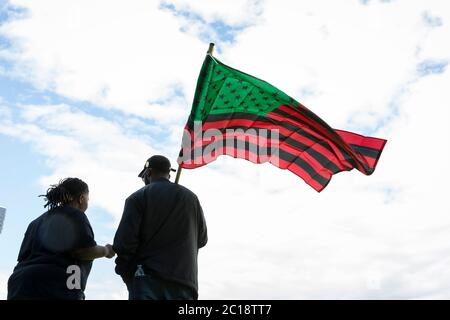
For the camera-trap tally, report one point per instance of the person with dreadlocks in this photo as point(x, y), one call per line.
point(58, 248)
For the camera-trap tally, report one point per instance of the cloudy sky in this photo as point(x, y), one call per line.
point(92, 88)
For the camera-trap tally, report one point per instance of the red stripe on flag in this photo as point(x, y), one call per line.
point(366, 142)
point(337, 153)
point(354, 138)
point(282, 164)
point(321, 134)
point(335, 157)
point(267, 143)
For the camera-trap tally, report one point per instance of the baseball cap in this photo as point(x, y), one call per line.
point(158, 162)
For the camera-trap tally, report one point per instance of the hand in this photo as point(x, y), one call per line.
point(109, 251)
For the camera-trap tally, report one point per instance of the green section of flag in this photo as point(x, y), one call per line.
point(222, 89)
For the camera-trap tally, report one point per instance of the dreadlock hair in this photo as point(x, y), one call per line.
point(64, 192)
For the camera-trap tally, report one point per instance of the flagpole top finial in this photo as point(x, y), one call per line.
point(210, 48)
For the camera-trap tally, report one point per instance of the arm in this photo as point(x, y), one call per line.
point(202, 230)
point(93, 253)
point(25, 248)
point(85, 246)
point(126, 240)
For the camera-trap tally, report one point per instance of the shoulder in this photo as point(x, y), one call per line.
point(70, 213)
point(33, 225)
point(37, 220)
point(161, 187)
point(136, 200)
point(186, 192)
point(136, 196)
point(40, 219)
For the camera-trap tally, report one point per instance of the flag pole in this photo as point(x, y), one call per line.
point(177, 178)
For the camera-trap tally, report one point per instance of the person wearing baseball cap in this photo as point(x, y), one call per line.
point(159, 163)
point(158, 238)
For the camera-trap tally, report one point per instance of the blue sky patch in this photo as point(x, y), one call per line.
point(214, 31)
point(428, 67)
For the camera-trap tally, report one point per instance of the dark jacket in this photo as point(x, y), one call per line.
point(162, 228)
point(46, 254)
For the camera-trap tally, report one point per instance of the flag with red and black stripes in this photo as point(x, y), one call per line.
point(239, 115)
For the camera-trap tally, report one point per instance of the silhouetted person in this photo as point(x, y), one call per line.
point(158, 238)
point(58, 248)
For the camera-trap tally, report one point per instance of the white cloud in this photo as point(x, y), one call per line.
point(92, 148)
point(271, 236)
point(102, 276)
point(3, 285)
point(353, 57)
point(238, 12)
point(218, 21)
point(111, 53)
